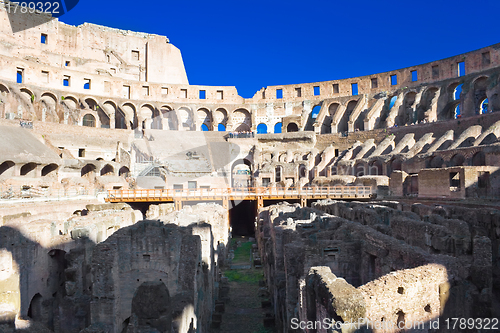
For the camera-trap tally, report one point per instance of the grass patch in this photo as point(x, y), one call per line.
point(243, 252)
point(244, 275)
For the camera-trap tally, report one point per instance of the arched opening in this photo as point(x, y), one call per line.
point(407, 114)
point(35, 310)
point(262, 128)
point(92, 104)
point(278, 173)
point(292, 127)
point(277, 128)
point(359, 169)
point(456, 113)
point(428, 99)
point(204, 128)
point(436, 162)
point(28, 94)
point(152, 307)
point(480, 87)
point(103, 118)
point(108, 170)
point(489, 139)
point(49, 103)
point(120, 122)
point(376, 168)
point(220, 117)
point(302, 171)
point(7, 166)
point(242, 120)
point(124, 172)
point(128, 110)
point(71, 102)
point(483, 108)
point(186, 118)
point(4, 90)
point(457, 92)
point(49, 169)
point(326, 127)
point(395, 165)
point(221, 128)
point(457, 160)
point(343, 125)
point(88, 170)
point(88, 120)
point(204, 116)
point(28, 169)
point(479, 159)
point(242, 174)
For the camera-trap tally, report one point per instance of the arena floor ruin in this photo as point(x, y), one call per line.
point(132, 201)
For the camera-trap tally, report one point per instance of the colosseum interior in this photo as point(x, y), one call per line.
point(132, 201)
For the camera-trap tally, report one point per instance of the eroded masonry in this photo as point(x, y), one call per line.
point(121, 186)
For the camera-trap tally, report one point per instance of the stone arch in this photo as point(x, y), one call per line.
point(186, 118)
point(92, 103)
point(129, 110)
point(107, 170)
point(394, 165)
point(262, 128)
point(302, 170)
point(151, 117)
point(71, 102)
point(406, 114)
point(326, 127)
point(4, 90)
point(49, 169)
point(220, 117)
point(170, 121)
point(480, 86)
point(359, 169)
point(48, 103)
point(88, 170)
point(242, 120)
point(343, 125)
point(36, 308)
point(479, 159)
point(205, 118)
point(457, 160)
point(7, 168)
point(89, 120)
point(28, 94)
point(277, 127)
point(436, 162)
point(292, 127)
point(376, 168)
point(241, 173)
point(28, 169)
point(152, 307)
point(124, 171)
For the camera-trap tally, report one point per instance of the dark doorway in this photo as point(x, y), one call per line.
point(242, 218)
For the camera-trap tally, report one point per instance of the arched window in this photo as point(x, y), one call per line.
point(292, 127)
point(484, 106)
point(204, 127)
point(457, 92)
point(262, 129)
point(277, 128)
point(221, 128)
point(89, 120)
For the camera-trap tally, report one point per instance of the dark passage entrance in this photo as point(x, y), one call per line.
point(242, 218)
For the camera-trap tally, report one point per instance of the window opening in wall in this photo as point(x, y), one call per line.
point(457, 112)
point(221, 128)
point(81, 152)
point(44, 39)
point(192, 185)
point(394, 80)
point(45, 76)
point(484, 106)
point(178, 187)
point(435, 72)
point(266, 182)
point(20, 75)
point(135, 55)
point(108, 58)
point(457, 92)
point(483, 178)
point(317, 92)
point(277, 128)
point(336, 152)
point(315, 111)
point(279, 93)
point(67, 63)
point(86, 84)
point(414, 76)
point(461, 68)
point(298, 92)
point(204, 128)
point(184, 93)
point(485, 56)
point(278, 174)
point(202, 94)
point(354, 89)
point(220, 94)
point(454, 181)
point(164, 91)
point(374, 82)
point(126, 92)
point(335, 88)
point(145, 90)
point(88, 120)
point(66, 81)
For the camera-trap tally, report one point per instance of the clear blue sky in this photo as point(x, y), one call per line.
point(252, 44)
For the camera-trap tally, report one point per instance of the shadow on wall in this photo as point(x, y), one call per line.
point(66, 291)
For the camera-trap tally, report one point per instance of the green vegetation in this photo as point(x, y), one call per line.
point(243, 252)
point(244, 275)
